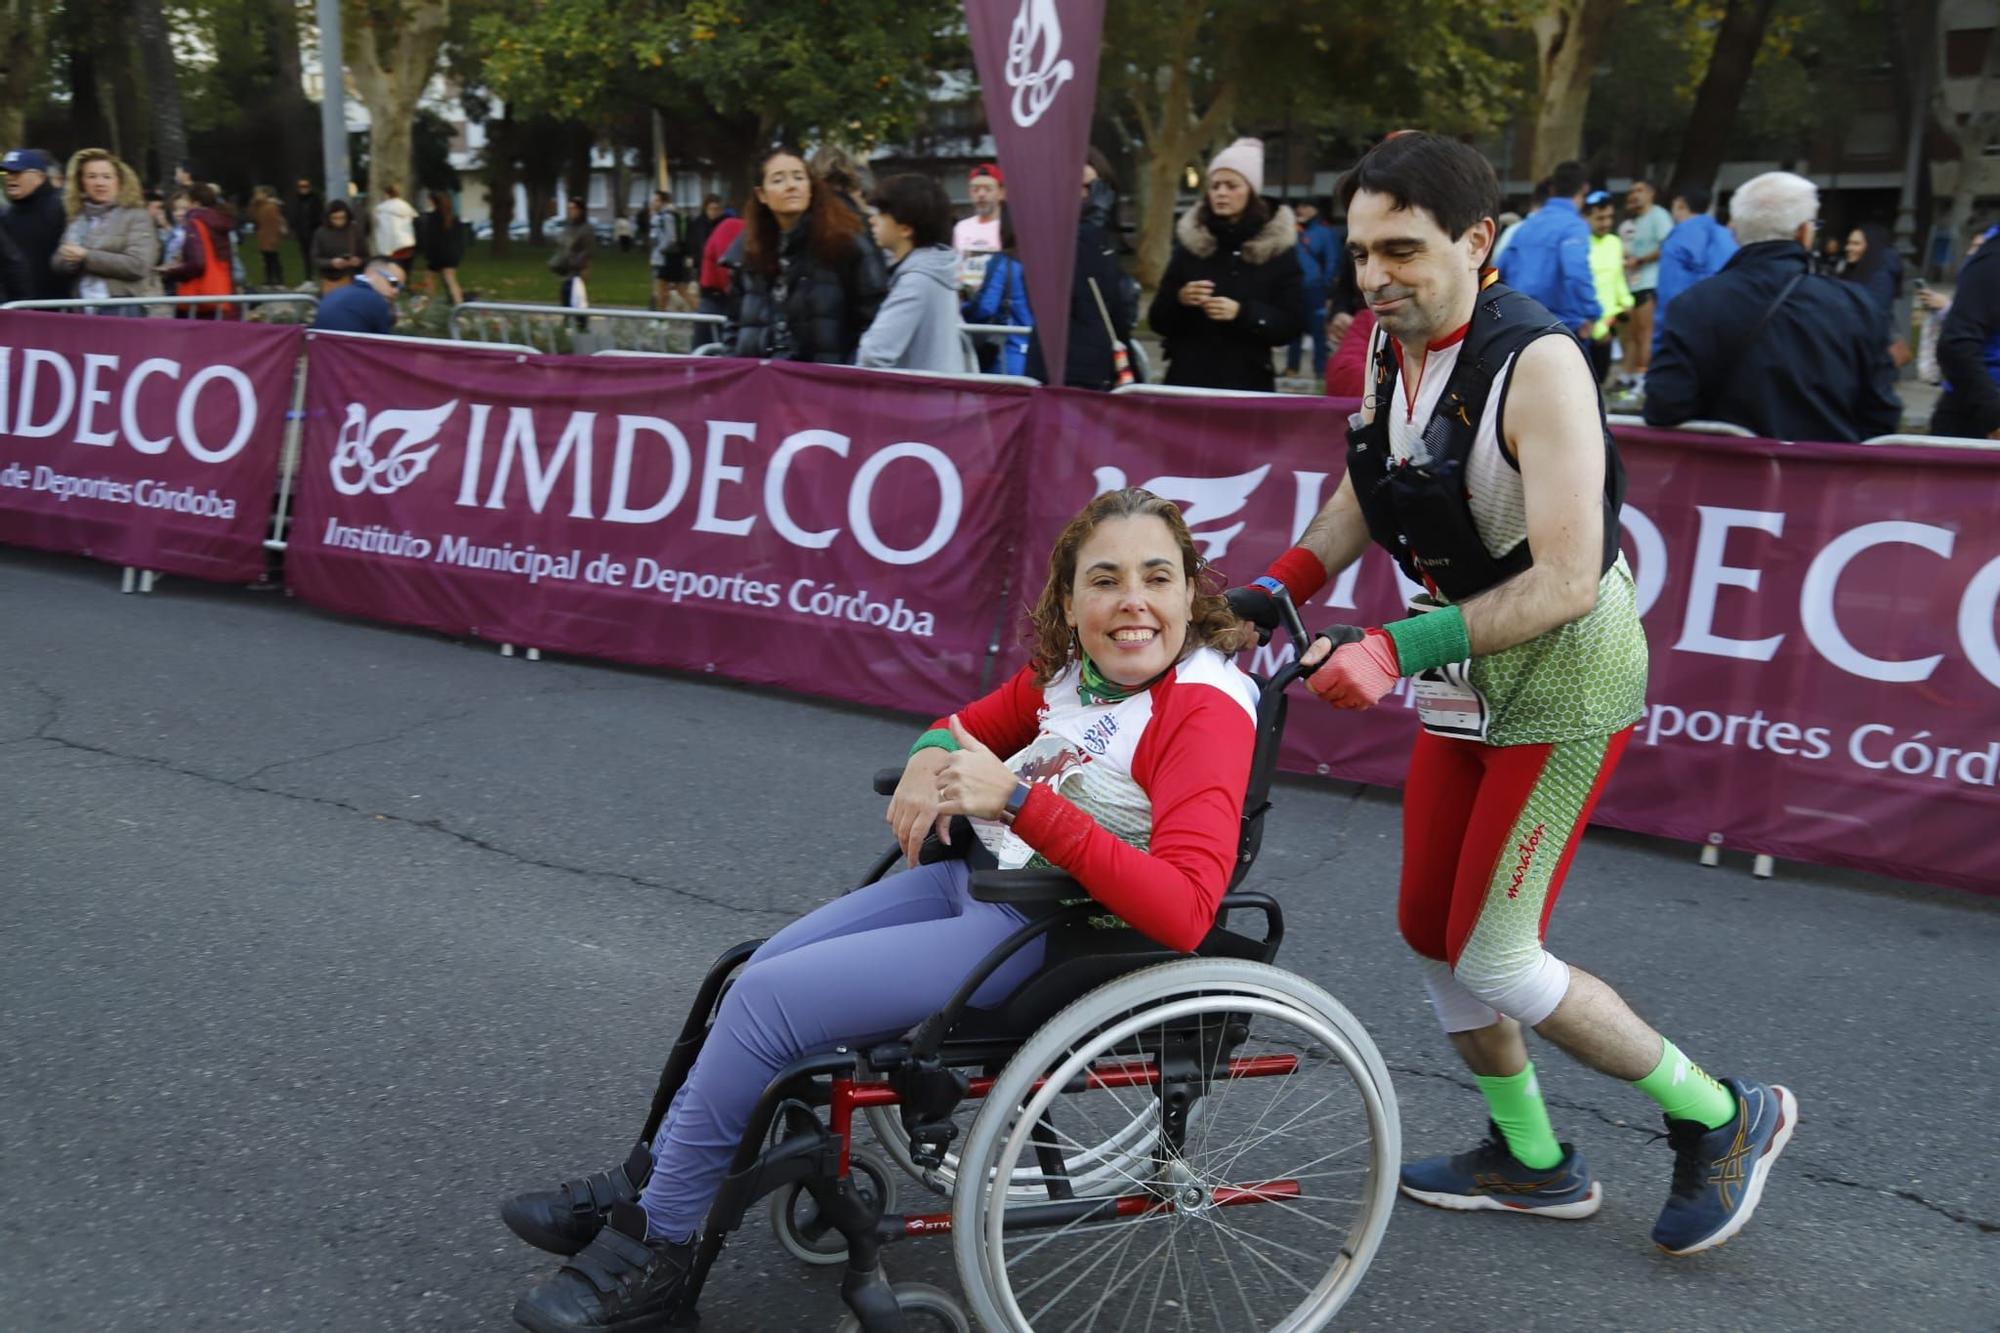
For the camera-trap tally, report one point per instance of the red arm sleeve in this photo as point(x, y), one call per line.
point(1005, 720)
point(1194, 763)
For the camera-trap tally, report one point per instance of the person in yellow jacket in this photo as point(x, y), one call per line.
point(1607, 270)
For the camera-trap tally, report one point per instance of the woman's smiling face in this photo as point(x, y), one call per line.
point(1130, 600)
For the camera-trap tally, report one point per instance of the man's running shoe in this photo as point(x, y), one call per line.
point(1490, 1177)
point(1719, 1174)
point(567, 1218)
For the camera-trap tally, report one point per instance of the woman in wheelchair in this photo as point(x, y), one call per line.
point(1127, 745)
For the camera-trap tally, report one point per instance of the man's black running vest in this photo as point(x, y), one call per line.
point(1419, 510)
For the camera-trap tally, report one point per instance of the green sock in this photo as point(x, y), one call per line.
point(1517, 1107)
point(1685, 1092)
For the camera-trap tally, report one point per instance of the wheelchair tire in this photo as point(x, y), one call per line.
point(794, 1217)
point(1210, 1204)
point(934, 1311)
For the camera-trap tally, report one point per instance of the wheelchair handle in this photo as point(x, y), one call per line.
point(886, 780)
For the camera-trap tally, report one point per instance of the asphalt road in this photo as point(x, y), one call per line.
point(318, 937)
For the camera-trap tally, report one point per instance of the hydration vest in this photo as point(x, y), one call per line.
point(1418, 510)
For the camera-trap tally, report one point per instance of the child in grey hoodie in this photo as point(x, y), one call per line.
point(918, 326)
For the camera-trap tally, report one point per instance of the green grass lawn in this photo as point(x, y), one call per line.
point(618, 278)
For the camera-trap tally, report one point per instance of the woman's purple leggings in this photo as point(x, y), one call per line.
point(866, 967)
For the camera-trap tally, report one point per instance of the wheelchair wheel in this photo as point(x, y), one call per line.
point(1261, 1214)
point(925, 1309)
point(807, 1237)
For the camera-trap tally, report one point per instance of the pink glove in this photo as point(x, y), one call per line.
point(1357, 675)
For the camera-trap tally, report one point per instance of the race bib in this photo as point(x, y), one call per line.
point(1448, 704)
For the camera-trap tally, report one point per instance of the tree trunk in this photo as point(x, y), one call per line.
point(1174, 136)
point(576, 172)
point(130, 132)
point(1569, 37)
point(85, 36)
point(392, 53)
point(163, 92)
point(298, 136)
point(24, 26)
point(500, 178)
point(1721, 92)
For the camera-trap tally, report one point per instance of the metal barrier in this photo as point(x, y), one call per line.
point(969, 376)
point(563, 329)
point(1182, 391)
point(999, 330)
point(1696, 427)
point(1935, 441)
point(421, 342)
point(263, 299)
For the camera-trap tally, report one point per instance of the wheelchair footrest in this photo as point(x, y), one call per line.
point(929, 1091)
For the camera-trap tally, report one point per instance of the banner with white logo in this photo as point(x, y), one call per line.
point(146, 442)
point(825, 529)
point(1037, 62)
point(1825, 675)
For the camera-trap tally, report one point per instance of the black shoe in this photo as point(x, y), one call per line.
point(621, 1280)
point(565, 1219)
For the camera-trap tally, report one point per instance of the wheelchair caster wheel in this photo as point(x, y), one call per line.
point(926, 1309)
point(810, 1239)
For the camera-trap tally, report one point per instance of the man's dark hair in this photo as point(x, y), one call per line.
point(576, 202)
point(1637, 181)
point(1696, 197)
point(711, 199)
point(1446, 179)
point(919, 203)
point(1540, 194)
point(1567, 180)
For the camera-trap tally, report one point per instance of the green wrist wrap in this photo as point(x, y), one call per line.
point(1433, 639)
point(937, 738)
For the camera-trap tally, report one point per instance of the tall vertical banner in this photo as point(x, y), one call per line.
point(1037, 62)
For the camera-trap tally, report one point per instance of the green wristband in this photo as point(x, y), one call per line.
point(1433, 639)
point(937, 738)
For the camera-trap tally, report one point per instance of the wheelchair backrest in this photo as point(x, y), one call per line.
point(1271, 706)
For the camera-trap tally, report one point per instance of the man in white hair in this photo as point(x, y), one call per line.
point(1766, 344)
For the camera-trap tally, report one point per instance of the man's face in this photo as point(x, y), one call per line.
point(713, 208)
point(1601, 219)
point(1416, 278)
point(1305, 213)
point(305, 187)
point(1680, 210)
point(985, 193)
point(21, 184)
point(386, 279)
point(1640, 198)
point(576, 210)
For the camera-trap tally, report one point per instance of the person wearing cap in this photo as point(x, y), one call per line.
point(37, 219)
point(1607, 272)
point(1549, 260)
point(1234, 289)
point(978, 236)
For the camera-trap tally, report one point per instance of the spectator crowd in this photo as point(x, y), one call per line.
point(1766, 322)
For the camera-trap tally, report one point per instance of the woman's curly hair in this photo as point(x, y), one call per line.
point(130, 193)
point(1054, 644)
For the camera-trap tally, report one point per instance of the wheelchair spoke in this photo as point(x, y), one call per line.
point(1113, 1249)
point(1253, 1243)
point(1112, 1290)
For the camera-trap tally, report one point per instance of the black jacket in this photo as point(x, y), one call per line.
point(811, 311)
point(1818, 369)
point(1088, 363)
point(1968, 350)
point(17, 283)
point(304, 214)
point(36, 225)
point(1260, 271)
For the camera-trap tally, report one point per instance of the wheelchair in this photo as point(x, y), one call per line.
point(1155, 1140)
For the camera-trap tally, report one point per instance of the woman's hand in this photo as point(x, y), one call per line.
point(913, 810)
point(1221, 309)
point(974, 781)
point(72, 254)
point(1197, 292)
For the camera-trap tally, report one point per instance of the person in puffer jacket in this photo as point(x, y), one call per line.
point(1234, 288)
point(809, 281)
point(918, 326)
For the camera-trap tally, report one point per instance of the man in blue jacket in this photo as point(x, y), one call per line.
point(1549, 258)
point(1969, 348)
point(1319, 258)
point(1697, 248)
point(364, 304)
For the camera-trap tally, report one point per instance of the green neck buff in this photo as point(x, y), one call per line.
point(1094, 688)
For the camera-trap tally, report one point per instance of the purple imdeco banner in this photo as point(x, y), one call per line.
point(145, 442)
point(824, 529)
point(1825, 680)
point(1037, 62)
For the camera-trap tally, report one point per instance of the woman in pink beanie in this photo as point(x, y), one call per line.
point(1234, 288)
